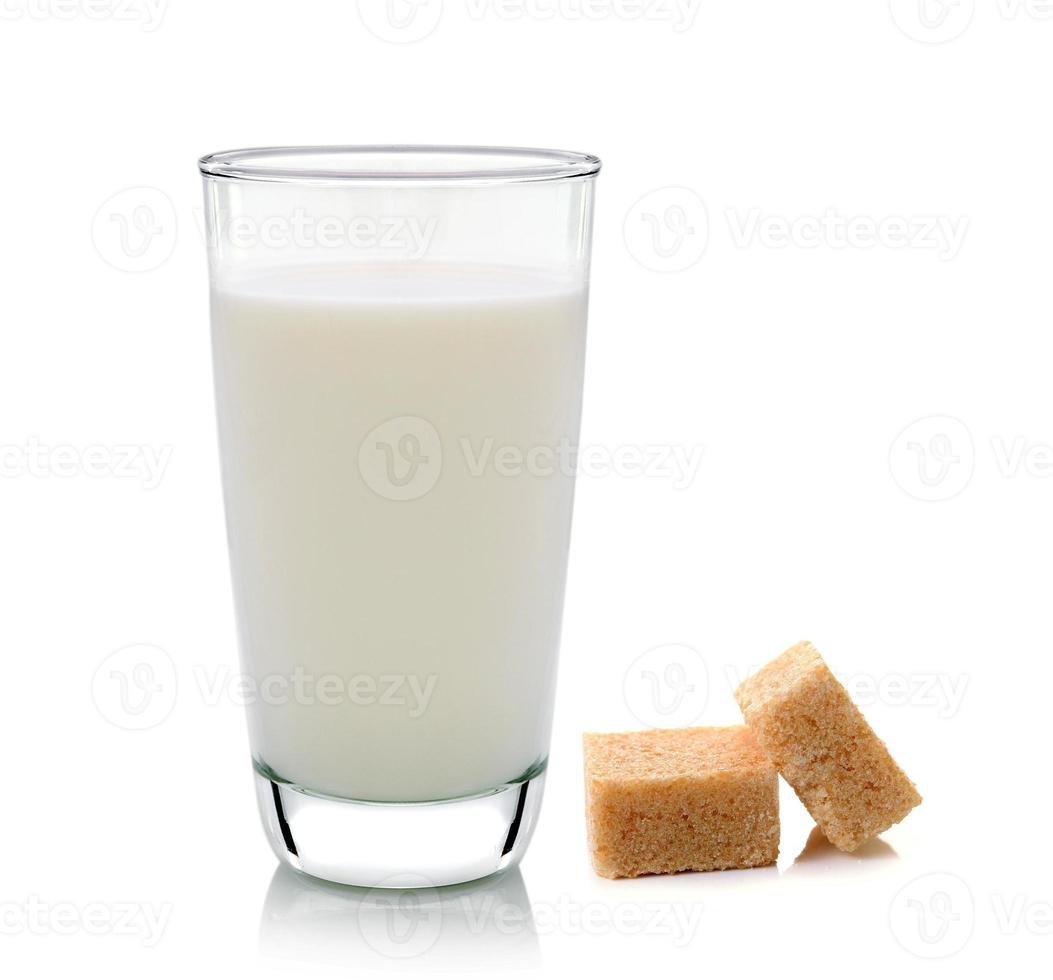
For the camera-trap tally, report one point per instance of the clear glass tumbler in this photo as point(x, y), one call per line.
point(398, 342)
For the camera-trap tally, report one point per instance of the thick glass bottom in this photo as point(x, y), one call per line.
point(399, 845)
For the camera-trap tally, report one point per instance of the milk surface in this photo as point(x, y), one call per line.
point(398, 575)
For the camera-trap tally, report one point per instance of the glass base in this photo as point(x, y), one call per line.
point(399, 845)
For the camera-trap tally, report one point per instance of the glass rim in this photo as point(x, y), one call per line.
point(393, 163)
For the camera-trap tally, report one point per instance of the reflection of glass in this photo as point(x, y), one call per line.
point(398, 341)
point(482, 926)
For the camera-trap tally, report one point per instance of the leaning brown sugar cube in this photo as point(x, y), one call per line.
point(688, 799)
point(824, 748)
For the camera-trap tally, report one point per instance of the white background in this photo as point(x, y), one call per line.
point(871, 398)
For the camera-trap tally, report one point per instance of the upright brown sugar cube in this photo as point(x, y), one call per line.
point(824, 748)
point(688, 799)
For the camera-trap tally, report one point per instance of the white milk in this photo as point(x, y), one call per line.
point(405, 649)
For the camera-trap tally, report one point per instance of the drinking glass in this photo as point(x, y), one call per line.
point(398, 338)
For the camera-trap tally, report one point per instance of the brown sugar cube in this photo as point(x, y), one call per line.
point(824, 748)
point(688, 799)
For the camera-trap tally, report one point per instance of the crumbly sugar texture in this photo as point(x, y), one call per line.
point(687, 799)
point(824, 748)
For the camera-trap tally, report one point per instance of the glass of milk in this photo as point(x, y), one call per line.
point(398, 341)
